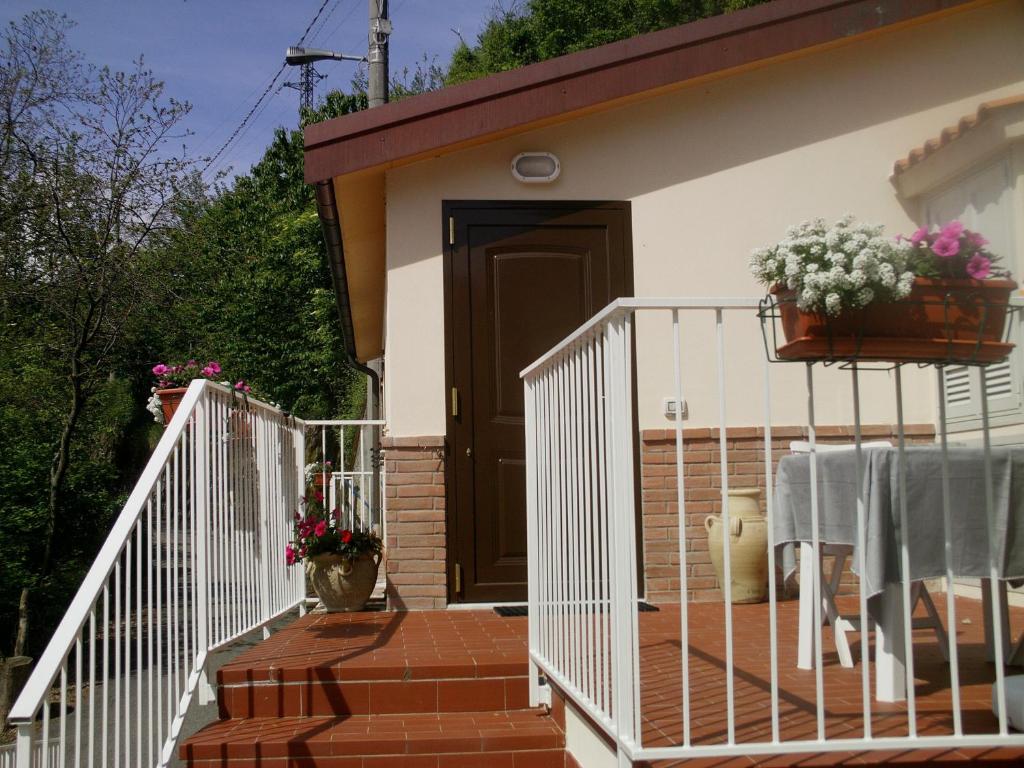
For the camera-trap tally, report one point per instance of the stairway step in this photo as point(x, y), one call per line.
point(380, 663)
point(490, 739)
point(331, 698)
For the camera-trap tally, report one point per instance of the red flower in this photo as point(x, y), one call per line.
point(346, 536)
point(321, 528)
point(318, 496)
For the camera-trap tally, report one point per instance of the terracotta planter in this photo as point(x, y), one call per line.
point(748, 546)
point(170, 399)
point(343, 584)
point(941, 320)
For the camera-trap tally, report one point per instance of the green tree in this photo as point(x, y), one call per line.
point(86, 183)
point(542, 29)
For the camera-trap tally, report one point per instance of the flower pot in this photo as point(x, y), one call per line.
point(170, 399)
point(748, 546)
point(343, 584)
point(941, 320)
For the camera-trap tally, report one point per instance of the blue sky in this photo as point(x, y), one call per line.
point(221, 54)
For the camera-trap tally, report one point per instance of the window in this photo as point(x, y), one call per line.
point(983, 200)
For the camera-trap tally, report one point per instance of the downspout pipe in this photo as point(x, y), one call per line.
point(327, 209)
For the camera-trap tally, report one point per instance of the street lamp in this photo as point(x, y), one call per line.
point(305, 58)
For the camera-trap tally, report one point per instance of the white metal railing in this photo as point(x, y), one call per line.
point(585, 628)
point(346, 468)
point(195, 560)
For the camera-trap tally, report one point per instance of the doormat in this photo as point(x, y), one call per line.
point(523, 610)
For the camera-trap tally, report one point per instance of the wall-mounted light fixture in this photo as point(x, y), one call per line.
point(536, 167)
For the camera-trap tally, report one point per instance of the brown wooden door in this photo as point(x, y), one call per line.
point(521, 277)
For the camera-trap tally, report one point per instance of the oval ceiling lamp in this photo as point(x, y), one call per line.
point(536, 167)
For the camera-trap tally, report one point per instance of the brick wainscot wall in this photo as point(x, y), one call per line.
point(702, 475)
point(415, 514)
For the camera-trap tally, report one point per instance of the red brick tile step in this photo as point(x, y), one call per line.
point(429, 689)
point(493, 739)
point(381, 663)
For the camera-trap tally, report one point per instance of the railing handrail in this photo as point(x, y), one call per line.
point(622, 306)
point(342, 422)
point(77, 613)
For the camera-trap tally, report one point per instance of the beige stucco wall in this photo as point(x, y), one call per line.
point(713, 171)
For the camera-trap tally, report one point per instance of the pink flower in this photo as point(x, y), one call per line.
point(297, 516)
point(192, 364)
point(214, 366)
point(302, 552)
point(946, 247)
point(289, 555)
point(240, 385)
point(919, 235)
point(346, 536)
point(952, 230)
point(208, 372)
point(160, 369)
point(975, 240)
point(321, 528)
point(979, 267)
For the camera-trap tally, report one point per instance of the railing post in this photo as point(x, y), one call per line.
point(201, 478)
point(23, 748)
point(265, 462)
point(300, 483)
point(532, 562)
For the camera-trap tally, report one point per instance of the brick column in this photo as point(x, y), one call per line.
point(415, 513)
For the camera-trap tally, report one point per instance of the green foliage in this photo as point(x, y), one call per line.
point(254, 291)
point(543, 29)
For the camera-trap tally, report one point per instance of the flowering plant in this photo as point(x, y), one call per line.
point(180, 374)
point(952, 251)
point(845, 265)
point(319, 533)
point(317, 468)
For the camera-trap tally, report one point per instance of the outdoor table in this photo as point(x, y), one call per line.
point(879, 488)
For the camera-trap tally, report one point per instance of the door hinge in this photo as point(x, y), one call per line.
point(451, 230)
point(455, 402)
point(458, 578)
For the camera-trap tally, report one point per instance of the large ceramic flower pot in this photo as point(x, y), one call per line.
point(341, 583)
point(941, 319)
point(748, 546)
point(170, 399)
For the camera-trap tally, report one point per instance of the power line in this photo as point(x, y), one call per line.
point(263, 95)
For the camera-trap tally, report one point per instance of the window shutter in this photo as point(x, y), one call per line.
point(960, 400)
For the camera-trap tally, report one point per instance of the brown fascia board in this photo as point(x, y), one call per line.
point(551, 90)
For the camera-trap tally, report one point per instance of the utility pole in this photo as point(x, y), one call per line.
point(380, 30)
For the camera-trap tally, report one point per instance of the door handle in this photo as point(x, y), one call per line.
point(469, 453)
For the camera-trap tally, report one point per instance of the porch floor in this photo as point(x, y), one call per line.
point(369, 667)
point(661, 676)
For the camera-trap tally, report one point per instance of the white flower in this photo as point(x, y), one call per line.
point(833, 303)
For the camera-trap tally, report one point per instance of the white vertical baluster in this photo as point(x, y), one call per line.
point(138, 643)
point(92, 685)
point(150, 631)
point(587, 537)
point(684, 621)
point(530, 428)
point(107, 672)
point(947, 526)
point(158, 627)
point(730, 696)
point(127, 650)
point(994, 554)
point(62, 728)
point(604, 497)
point(908, 628)
point(79, 701)
point(865, 678)
point(572, 517)
point(812, 438)
point(116, 678)
point(201, 438)
point(769, 490)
